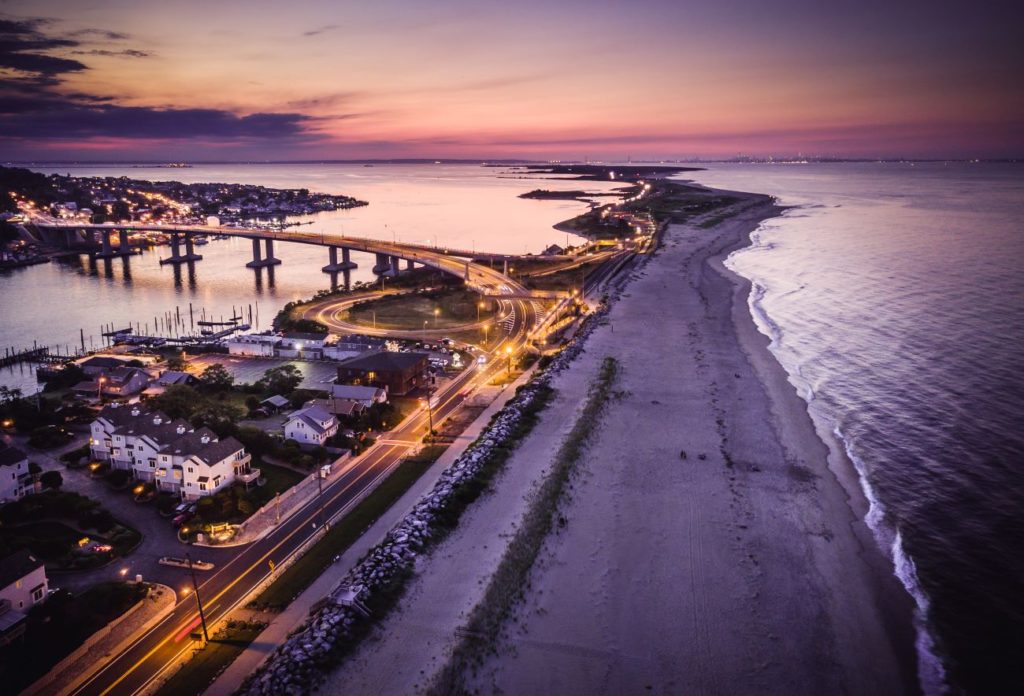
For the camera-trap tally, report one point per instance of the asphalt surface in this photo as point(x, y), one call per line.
point(228, 586)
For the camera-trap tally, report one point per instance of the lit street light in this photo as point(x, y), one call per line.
point(508, 352)
point(99, 388)
point(437, 312)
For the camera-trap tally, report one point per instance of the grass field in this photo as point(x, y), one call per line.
point(454, 307)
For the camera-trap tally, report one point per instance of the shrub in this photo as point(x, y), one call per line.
point(52, 480)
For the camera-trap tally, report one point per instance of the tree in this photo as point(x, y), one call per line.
point(51, 479)
point(218, 417)
point(177, 401)
point(217, 378)
point(176, 363)
point(282, 379)
point(252, 403)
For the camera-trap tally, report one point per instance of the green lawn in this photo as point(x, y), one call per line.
point(344, 533)
point(455, 307)
point(199, 672)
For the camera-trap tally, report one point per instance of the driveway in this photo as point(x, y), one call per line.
point(159, 538)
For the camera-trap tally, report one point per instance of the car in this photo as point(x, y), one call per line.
point(182, 518)
point(481, 360)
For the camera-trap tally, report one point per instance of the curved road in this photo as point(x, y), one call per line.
point(146, 660)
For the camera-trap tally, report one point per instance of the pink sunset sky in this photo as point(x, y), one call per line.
point(540, 80)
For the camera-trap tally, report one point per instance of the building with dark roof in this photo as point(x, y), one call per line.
point(23, 584)
point(179, 458)
point(399, 373)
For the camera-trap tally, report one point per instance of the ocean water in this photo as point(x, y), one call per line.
point(462, 206)
point(894, 297)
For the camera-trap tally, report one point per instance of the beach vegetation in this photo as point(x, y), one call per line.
point(506, 586)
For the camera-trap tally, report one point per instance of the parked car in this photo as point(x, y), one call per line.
point(181, 519)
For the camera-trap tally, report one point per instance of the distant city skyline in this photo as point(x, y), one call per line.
point(457, 79)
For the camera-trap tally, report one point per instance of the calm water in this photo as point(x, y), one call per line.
point(458, 205)
point(894, 295)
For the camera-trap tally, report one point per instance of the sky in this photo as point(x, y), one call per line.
point(192, 80)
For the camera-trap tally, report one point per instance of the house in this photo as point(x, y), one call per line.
point(23, 580)
point(124, 381)
point(16, 481)
point(400, 373)
point(178, 458)
point(341, 408)
point(258, 345)
point(101, 364)
point(553, 250)
point(365, 396)
point(311, 426)
point(23, 584)
point(170, 377)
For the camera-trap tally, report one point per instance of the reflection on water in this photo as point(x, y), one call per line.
point(460, 206)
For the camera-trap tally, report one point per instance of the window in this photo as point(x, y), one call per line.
point(202, 486)
point(38, 592)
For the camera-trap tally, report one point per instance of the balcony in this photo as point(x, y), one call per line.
point(247, 475)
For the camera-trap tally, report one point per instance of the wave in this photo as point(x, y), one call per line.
point(931, 674)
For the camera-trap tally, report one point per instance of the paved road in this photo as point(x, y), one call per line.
point(229, 585)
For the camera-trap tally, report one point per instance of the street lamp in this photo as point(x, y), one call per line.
point(437, 312)
point(195, 586)
point(430, 414)
point(479, 306)
point(508, 352)
point(99, 388)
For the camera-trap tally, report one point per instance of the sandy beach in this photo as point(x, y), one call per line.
point(709, 547)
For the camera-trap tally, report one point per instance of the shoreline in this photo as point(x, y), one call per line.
point(777, 551)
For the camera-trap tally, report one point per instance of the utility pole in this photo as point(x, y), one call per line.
point(195, 586)
point(320, 486)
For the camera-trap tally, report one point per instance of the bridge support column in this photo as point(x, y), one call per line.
point(505, 267)
point(257, 260)
point(396, 265)
point(107, 250)
point(383, 265)
point(176, 256)
point(346, 260)
point(409, 264)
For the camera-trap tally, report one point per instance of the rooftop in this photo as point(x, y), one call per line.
point(16, 566)
point(384, 361)
point(9, 456)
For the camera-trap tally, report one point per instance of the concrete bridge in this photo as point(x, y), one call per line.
point(388, 255)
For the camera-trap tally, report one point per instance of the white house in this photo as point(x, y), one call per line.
point(23, 584)
point(367, 396)
point(15, 479)
point(23, 580)
point(191, 462)
point(258, 345)
point(311, 426)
